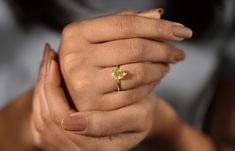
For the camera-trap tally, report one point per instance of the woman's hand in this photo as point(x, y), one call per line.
point(90, 50)
point(14, 124)
point(116, 130)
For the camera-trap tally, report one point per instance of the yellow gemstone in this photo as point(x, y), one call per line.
point(118, 74)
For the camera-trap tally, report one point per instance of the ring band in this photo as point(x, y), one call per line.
point(118, 74)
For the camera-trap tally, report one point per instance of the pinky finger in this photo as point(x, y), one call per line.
point(115, 100)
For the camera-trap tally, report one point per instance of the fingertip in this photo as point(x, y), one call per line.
point(54, 73)
point(177, 56)
point(152, 13)
point(42, 68)
point(161, 11)
point(44, 51)
point(180, 56)
point(182, 32)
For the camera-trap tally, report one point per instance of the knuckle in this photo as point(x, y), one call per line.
point(76, 30)
point(70, 60)
point(69, 29)
point(136, 49)
point(73, 67)
point(99, 127)
point(126, 24)
point(160, 27)
point(82, 84)
point(75, 74)
point(85, 29)
point(71, 35)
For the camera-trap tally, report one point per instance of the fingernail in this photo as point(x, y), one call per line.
point(47, 45)
point(75, 123)
point(182, 32)
point(43, 57)
point(45, 52)
point(180, 56)
point(152, 12)
point(49, 62)
point(160, 10)
point(49, 67)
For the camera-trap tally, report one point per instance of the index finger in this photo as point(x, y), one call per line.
point(55, 96)
point(129, 26)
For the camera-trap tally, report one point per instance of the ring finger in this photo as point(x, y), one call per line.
point(137, 74)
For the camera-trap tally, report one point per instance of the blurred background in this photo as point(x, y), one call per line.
point(26, 25)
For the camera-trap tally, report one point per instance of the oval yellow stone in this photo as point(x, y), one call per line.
point(118, 74)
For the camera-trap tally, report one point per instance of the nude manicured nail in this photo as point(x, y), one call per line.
point(182, 32)
point(45, 52)
point(160, 10)
point(180, 56)
point(152, 13)
point(75, 123)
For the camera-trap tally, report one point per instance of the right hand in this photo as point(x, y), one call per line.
point(95, 130)
point(91, 49)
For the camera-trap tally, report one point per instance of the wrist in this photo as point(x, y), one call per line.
point(167, 126)
point(166, 121)
point(169, 132)
point(15, 127)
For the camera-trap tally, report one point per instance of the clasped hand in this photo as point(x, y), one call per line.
point(102, 118)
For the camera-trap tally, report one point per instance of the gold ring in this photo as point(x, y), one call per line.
point(118, 74)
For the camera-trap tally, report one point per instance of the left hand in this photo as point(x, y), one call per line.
point(90, 50)
point(116, 130)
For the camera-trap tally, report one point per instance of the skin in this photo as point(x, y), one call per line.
point(50, 105)
point(110, 128)
point(16, 129)
point(220, 131)
point(166, 127)
point(107, 42)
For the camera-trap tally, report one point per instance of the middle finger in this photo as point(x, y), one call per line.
point(134, 50)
